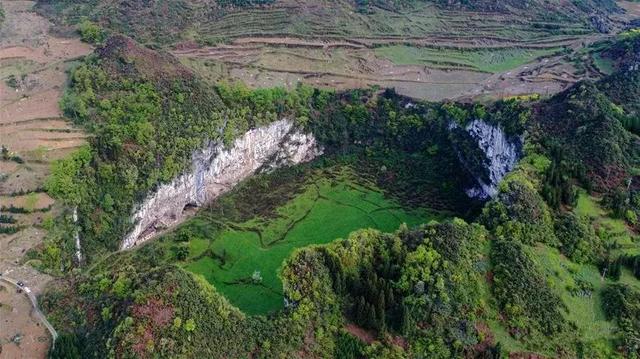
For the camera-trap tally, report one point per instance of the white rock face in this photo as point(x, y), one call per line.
point(217, 170)
point(76, 236)
point(502, 154)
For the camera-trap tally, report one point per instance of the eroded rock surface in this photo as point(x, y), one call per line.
point(216, 170)
point(501, 154)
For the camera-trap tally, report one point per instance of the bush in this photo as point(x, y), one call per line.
point(523, 293)
point(578, 239)
point(91, 32)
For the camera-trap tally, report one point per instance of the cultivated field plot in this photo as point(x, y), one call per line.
point(242, 259)
point(33, 133)
point(28, 338)
point(425, 52)
point(422, 49)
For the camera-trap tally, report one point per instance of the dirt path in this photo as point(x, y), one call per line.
point(32, 129)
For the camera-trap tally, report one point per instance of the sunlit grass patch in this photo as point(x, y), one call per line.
point(242, 260)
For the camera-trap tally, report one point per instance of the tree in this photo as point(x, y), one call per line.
point(190, 325)
point(66, 347)
point(182, 252)
point(63, 183)
point(90, 32)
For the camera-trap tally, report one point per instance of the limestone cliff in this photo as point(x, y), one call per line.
point(216, 170)
point(499, 155)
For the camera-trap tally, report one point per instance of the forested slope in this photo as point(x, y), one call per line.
point(549, 266)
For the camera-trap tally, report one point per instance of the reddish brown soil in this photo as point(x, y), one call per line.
point(365, 335)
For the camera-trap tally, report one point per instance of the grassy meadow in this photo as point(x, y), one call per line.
point(490, 61)
point(242, 259)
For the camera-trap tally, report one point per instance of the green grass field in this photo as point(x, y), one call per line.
point(326, 209)
point(584, 309)
point(606, 65)
point(613, 230)
point(491, 61)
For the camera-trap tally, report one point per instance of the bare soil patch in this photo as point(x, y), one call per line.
point(361, 333)
point(32, 128)
point(22, 336)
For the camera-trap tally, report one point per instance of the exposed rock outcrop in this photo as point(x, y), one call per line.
point(216, 170)
point(76, 235)
point(501, 154)
point(601, 23)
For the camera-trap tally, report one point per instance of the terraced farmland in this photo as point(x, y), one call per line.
point(33, 133)
point(423, 50)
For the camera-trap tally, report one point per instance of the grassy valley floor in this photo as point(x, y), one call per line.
point(242, 258)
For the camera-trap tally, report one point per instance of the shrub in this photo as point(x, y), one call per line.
point(523, 293)
point(91, 32)
point(578, 239)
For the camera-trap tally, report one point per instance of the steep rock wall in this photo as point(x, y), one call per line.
point(501, 154)
point(76, 235)
point(216, 170)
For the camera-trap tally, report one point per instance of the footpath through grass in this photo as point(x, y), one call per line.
point(242, 260)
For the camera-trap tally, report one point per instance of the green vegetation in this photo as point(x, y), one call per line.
point(604, 64)
point(146, 307)
point(148, 114)
point(622, 303)
point(242, 259)
point(522, 292)
point(90, 32)
point(579, 287)
point(492, 61)
point(547, 267)
point(147, 119)
point(66, 348)
point(519, 213)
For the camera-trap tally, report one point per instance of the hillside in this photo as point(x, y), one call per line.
point(163, 22)
point(548, 265)
point(320, 179)
point(425, 49)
